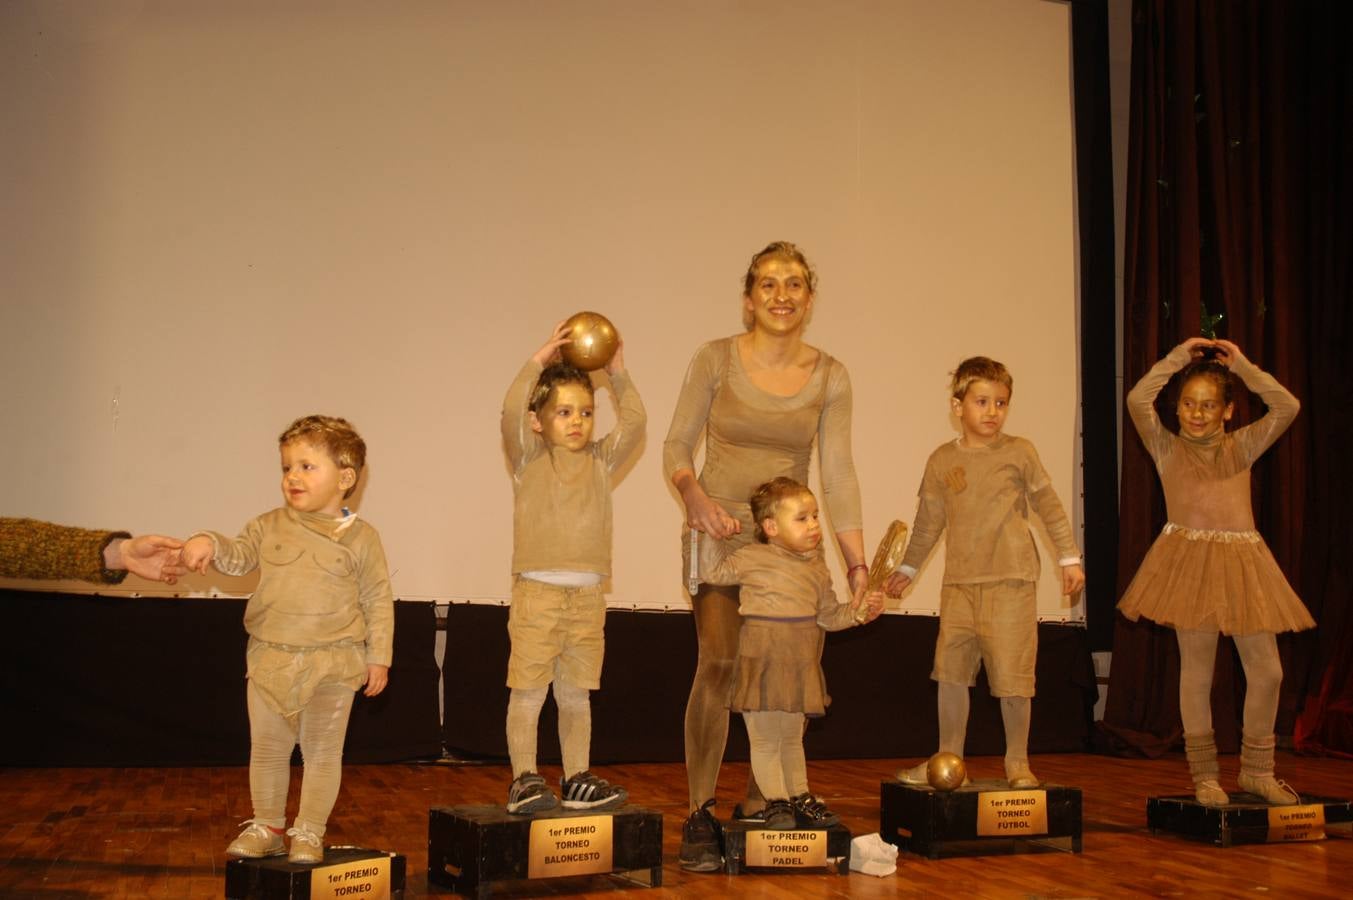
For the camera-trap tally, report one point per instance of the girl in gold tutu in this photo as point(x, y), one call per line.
point(1209, 571)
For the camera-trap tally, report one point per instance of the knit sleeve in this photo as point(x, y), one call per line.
point(1141, 401)
point(717, 564)
point(30, 548)
point(631, 423)
point(518, 437)
point(1258, 436)
point(237, 556)
point(840, 486)
point(377, 601)
point(832, 615)
point(692, 409)
point(931, 518)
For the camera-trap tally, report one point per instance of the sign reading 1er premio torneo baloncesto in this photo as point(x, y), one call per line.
point(578, 845)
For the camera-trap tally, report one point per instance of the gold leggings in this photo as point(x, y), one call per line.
point(717, 624)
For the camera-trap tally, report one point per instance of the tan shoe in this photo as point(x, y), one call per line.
point(1020, 776)
point(307, 848)
point(915, 775)
point(1209, 793)
point(257, 841)
point(1256, 771)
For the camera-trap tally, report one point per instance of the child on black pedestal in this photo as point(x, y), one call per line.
point(1209, 571)
point(321, 625)
point(786, 602)
point(561, 554)
point(981, 488)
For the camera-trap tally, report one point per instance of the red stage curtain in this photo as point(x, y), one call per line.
point(1240, 200)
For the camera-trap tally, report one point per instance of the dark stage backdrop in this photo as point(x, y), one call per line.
point(110, 681)
point(1240, 201)
point(883, 701)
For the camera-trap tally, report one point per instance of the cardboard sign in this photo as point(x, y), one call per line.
point(787, 849)
point(367, 879)
point(1012, 813)
point(569, 846)
point(1296, 823)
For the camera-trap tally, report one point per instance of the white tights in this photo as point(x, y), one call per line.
point(575, 727)
point(1263, 680)
point(776, 744)
point(320, 730)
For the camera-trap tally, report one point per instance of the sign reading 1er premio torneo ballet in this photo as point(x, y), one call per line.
point(579, 845)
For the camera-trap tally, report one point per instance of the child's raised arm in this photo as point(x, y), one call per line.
point(516, 419)
point(1259, 435)
point(631, 419)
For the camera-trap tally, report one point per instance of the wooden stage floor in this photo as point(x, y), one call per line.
point(68, 833)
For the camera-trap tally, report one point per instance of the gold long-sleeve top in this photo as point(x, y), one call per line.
point(752, 436)
point(776, 583)
point(561, 517)
point(321, 582)
point(1207, 482)
point(982, 497)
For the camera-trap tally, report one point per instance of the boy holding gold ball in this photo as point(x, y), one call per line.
point(561, 554)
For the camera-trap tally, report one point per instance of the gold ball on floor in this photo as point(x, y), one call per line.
point(592, 341)
point(945, 771)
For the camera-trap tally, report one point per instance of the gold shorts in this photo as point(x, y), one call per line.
point(557, 633)
point(996, 624)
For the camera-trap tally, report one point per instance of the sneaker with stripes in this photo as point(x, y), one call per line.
point(588, 791)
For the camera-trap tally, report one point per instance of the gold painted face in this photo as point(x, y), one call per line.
point(1202, 411)
point(566, 419)
point(981, 413)
point(795, 525)
point(312, 481)
point(780, 298)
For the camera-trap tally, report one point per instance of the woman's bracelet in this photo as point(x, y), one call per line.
point(856, 566)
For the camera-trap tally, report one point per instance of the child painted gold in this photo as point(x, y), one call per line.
point(978, 491)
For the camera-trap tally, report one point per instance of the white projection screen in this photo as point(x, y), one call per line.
point(220, 216)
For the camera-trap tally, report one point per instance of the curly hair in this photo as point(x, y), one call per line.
point(766, 500)
point(336, 437)
point(1212, 371)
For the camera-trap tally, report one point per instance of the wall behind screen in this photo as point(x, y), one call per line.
point(225, 215)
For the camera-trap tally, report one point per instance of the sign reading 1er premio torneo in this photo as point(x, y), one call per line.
point(1296, 823)
point(368, 879)
point(577, 845)
point(1012, 813)
point(786, 849)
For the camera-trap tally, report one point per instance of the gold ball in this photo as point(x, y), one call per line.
point(592, 341)
point(945, 771)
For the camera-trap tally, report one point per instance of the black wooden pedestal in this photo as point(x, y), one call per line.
point(936, 824)
point(1245, 820)
point(472, 847)
point(274, 878)
point(735, 848)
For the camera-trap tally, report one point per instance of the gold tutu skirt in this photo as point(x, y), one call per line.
point(1227, 580)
